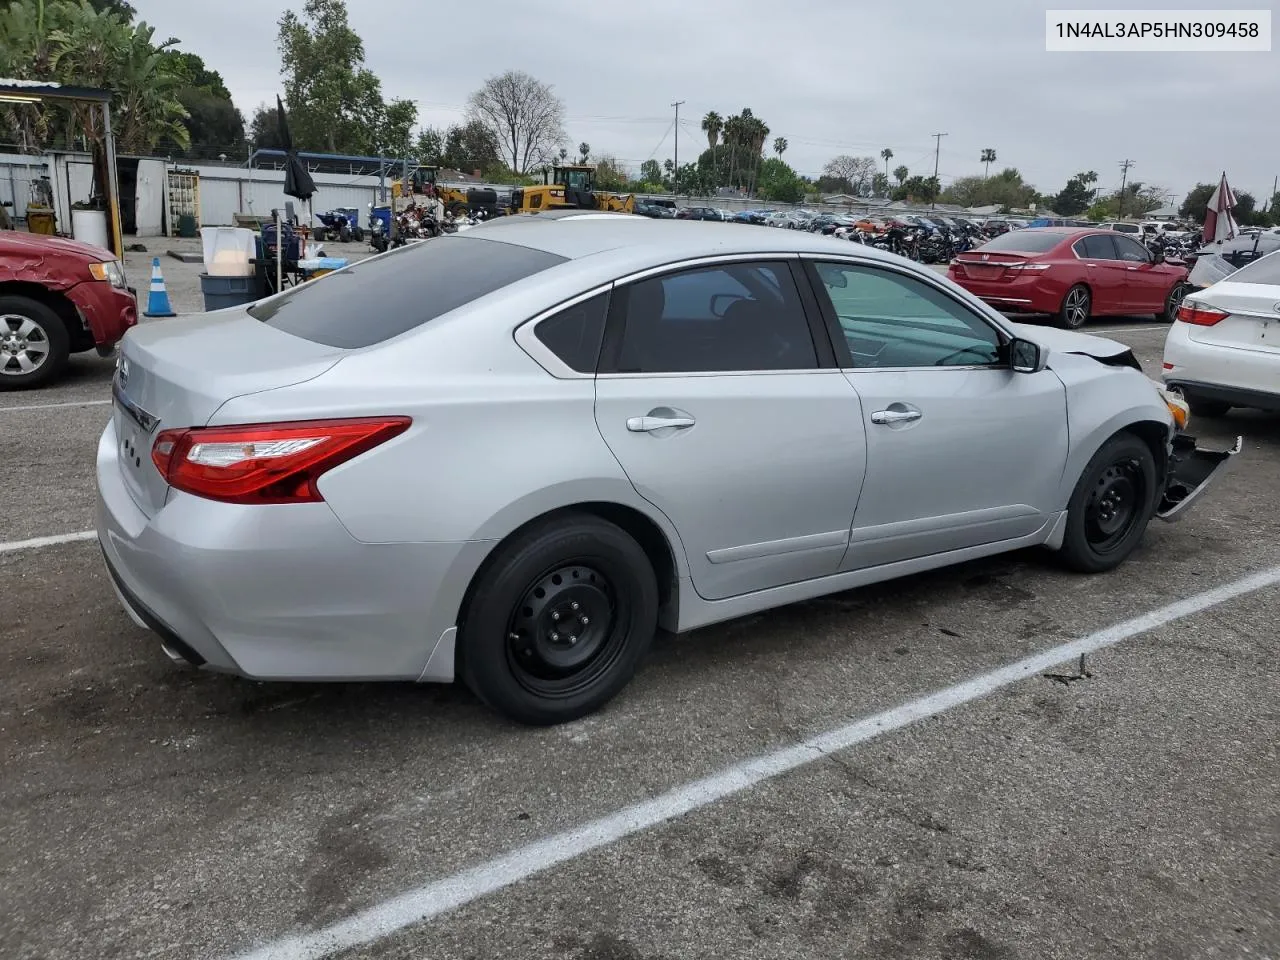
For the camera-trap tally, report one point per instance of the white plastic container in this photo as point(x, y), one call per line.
point(227, 251)
point(90, 226)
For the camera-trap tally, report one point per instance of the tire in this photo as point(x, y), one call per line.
point(344, 235)
point(512, 648)
point(317, 234)
point(1075, 309)
point(1111, 506)
point(34, 345)
point(1172, 302)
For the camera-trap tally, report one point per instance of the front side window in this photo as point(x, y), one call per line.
point(892, 320)
point(733, 317)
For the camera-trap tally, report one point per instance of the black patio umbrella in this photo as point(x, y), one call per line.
point(297, 181)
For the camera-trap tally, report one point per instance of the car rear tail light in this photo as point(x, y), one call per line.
point(266, 462)
point(1026, 267)
point(1200, 315)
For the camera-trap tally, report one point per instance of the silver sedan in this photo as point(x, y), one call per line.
point(512, 455)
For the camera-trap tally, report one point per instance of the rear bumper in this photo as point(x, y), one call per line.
point(278, 592)
point(1238, 376)
point(1027, 294)
point(108, 311)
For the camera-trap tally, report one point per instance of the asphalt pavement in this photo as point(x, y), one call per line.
point(1120, 807)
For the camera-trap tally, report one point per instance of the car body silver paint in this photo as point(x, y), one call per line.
point(499, 440)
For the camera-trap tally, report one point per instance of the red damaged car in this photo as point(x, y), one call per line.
point(57, 297)
point(1071, 273)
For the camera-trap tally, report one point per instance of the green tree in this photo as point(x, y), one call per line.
point(651, 172)
point(264, 128)
point(429, 148)
point(469, 146)
point(1072, 199)
point(611, 174)
point(880, 185)
point(900, 174)
point(779, 183)
point(335, 102)
point(987, 159)
point(213, 122)
point(886, 155)
point(780, 146)
point(120, 8)
point(584, 152)
point(1196, 201)
point(919, 189)
point(712, 124)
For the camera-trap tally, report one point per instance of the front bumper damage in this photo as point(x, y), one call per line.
point(1191, 471)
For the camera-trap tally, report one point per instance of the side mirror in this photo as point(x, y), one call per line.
point(1027, 357)
point(1158, 257)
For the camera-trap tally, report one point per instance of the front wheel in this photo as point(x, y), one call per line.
point(1075, 309)
point(34, 345)
point(559, 620)
point(1111, 506)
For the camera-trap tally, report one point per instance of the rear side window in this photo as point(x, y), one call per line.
point(574, 334)
point(1096, 247)
point(1022, 241)
point(391, 294)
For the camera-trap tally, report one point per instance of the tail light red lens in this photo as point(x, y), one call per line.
point(266, 462)
point(1200, 315)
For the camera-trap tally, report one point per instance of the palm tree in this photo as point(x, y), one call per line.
point(711, 126)
point(901, 174)
point(988, 158)
point(886, 155)
point(780, 146)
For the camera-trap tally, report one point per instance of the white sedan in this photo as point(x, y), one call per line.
point(1223, 350)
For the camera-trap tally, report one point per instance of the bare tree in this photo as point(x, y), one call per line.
point(856, 171)
point(525, 117)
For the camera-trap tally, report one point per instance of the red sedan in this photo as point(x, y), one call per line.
point(1071, 273)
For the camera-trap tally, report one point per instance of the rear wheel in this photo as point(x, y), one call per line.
point(317, 234)
point(1076, 305)
point(1111, 506)
point(1172, 302)
point(34, 345)
point(559, 620)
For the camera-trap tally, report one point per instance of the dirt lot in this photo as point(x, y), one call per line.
point(151, 811)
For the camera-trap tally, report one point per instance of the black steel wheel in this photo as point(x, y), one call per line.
point(558, 619)
point(1111, 505)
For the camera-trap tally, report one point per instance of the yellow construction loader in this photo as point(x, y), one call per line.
point(423, 183)
point(569, 187)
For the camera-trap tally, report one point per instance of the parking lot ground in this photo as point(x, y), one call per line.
point(148, 810)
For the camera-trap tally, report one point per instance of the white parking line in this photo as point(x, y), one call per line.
point(9, 546)
point(54, 406)
point(449, 893)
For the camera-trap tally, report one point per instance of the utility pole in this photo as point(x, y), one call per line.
point(1124, 180)
point(937, 153)
point(675, 170)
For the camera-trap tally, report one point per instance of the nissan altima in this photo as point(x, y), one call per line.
point(510, 456)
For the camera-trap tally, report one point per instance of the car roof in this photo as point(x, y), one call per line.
point(645, 242)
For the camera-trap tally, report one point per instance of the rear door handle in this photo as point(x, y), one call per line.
point(1131, 268)
point(649, 424)
point(895, 416)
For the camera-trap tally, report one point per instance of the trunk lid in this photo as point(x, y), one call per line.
point(177, 373)
point(988, 266)
point(1254, 323)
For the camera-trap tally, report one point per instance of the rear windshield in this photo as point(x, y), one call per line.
point(388, 295)
point(1023, 241)
point(1263, 270)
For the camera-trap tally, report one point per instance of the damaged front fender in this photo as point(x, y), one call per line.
point(1190, 472)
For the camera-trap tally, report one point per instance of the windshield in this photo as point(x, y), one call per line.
point(1023, 241)
point(1264, 270)
point(391, 294)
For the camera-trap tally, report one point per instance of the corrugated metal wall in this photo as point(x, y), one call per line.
point(226, 191)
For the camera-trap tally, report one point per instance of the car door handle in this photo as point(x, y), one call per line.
point(1131, 268)
point(649, 424)
point(895, 416)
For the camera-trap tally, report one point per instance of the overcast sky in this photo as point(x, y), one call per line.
point(832, 76)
